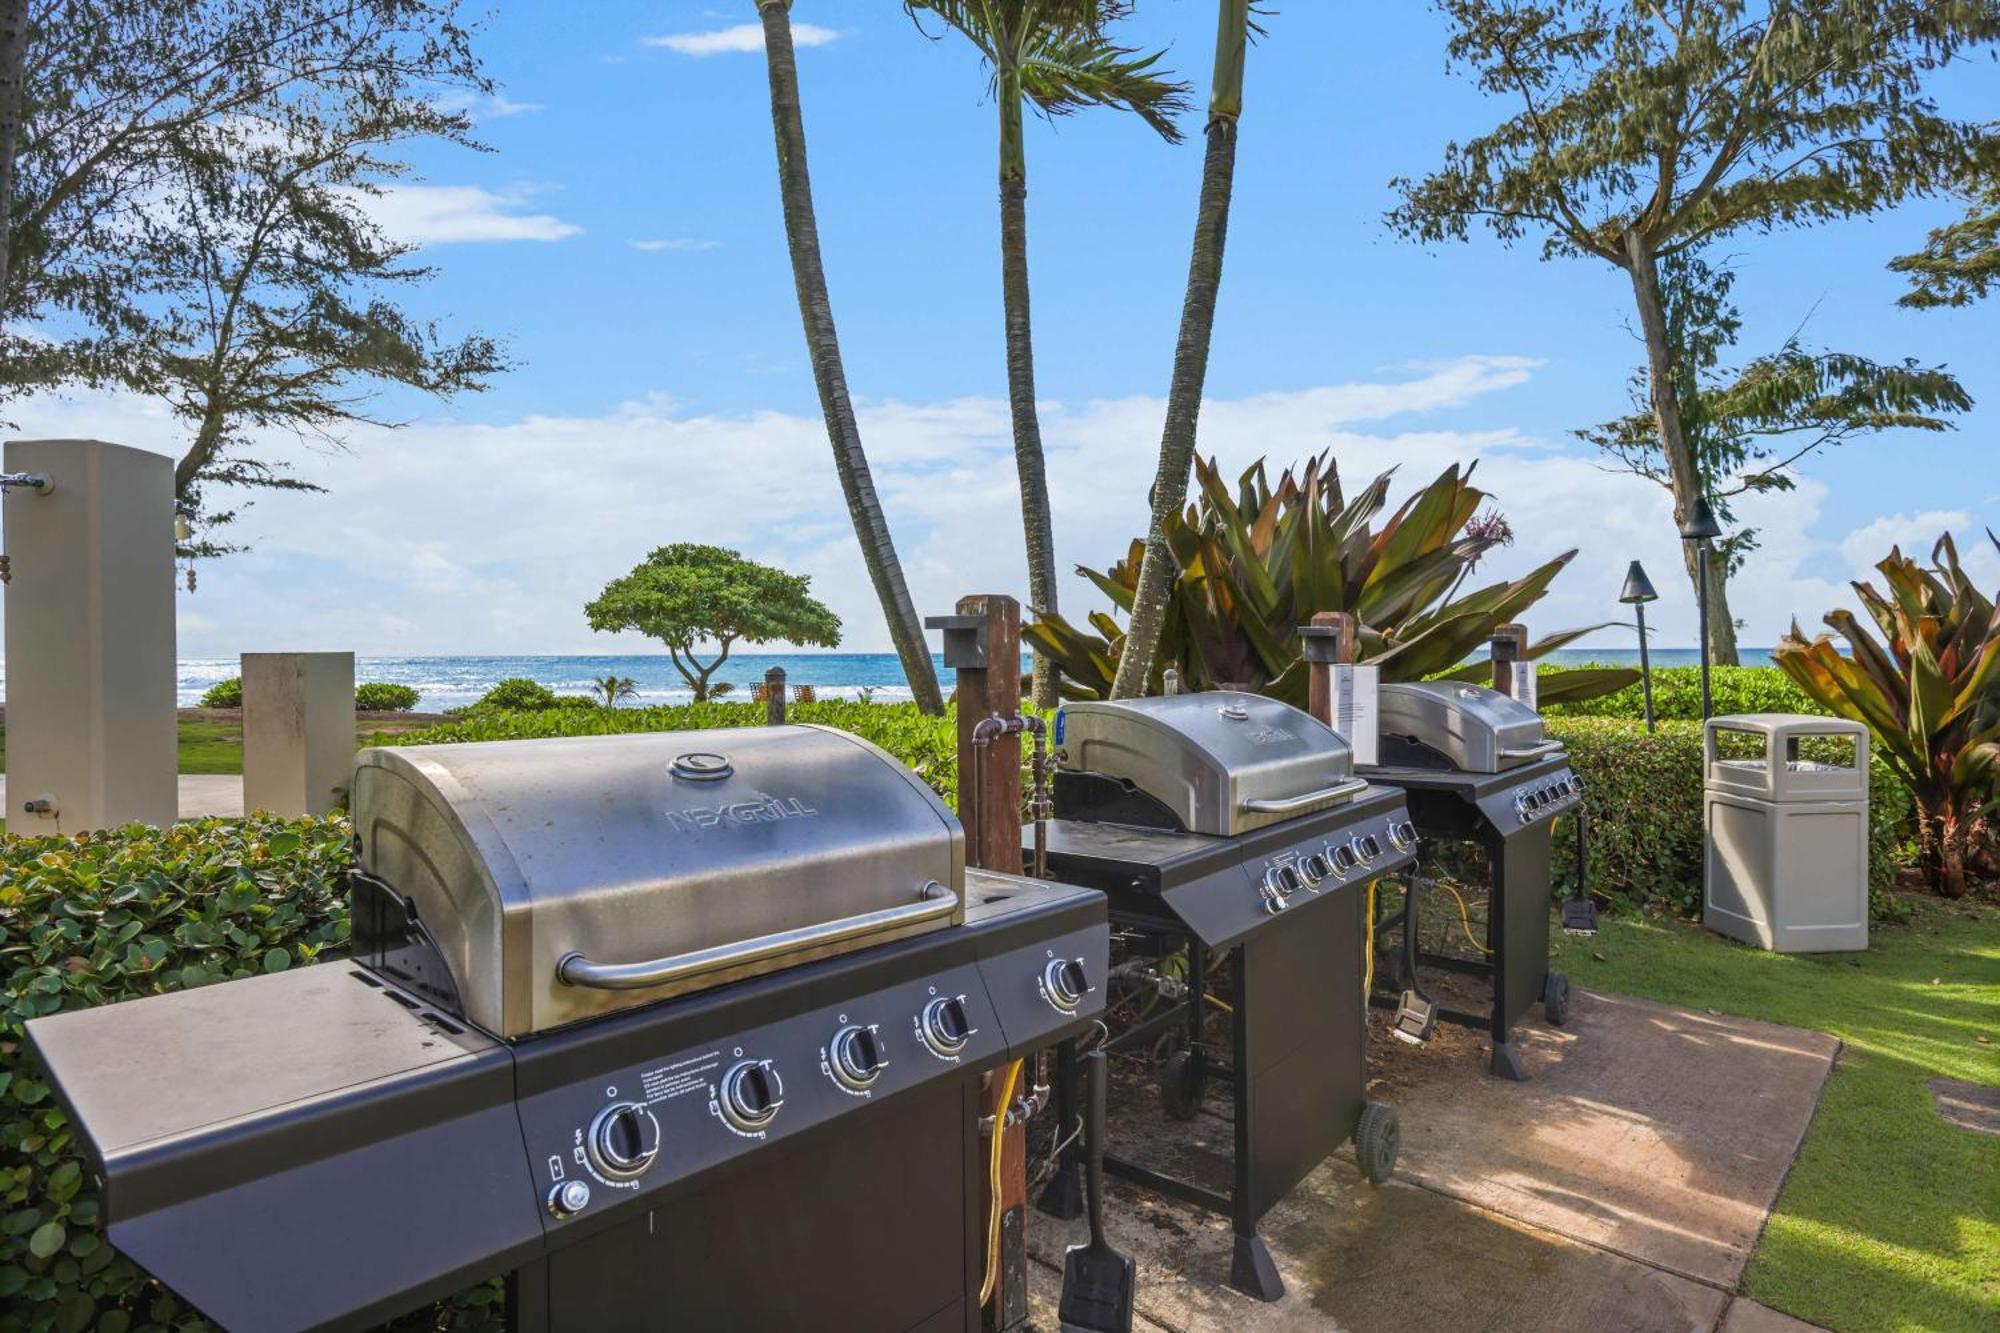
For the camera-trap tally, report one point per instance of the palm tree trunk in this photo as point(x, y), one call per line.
point(13, 52)
point(878, 550)
point(1036, 522)
point(1136, 667)
point(1683, 476)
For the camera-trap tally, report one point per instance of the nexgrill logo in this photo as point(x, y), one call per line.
point(767, 811)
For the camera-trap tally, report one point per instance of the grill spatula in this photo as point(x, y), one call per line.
point(1099, 1284)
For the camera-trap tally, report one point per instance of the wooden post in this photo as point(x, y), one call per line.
point(1344, 648)
point(989, 775)
point(1508, 646)
point(774, 697)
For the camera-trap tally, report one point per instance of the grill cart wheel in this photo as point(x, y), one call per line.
point(1377, 1140)
point(1181, 1085)
point(1555, 999)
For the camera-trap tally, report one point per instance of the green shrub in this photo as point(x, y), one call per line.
point(1677, 694)
point(1645, 800)
point(112, 916)
point(519, 694)
point(381, 696)
point(224, 694)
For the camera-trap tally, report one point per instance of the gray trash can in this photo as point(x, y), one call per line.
point(1785, 809)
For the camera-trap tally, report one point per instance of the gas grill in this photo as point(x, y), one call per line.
point(681, 1027)
point(1477, 768)
point(1228, 821)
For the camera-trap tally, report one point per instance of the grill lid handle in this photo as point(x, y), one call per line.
point(576, 970)
point(1286, 805)
point(1531, 751)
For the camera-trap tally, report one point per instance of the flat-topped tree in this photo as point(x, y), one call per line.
point(687, 594)
point(1645, 130)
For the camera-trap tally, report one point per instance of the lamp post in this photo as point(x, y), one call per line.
point(1639, 591)
point(1701, 528)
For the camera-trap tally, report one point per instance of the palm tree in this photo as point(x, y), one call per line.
point(1218, 175)
point(1053, 55)
point(878, 550)
point(614, 688)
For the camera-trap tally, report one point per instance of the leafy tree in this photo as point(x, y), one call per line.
point(615, 687)
point(278, 317)
point(185, 218)
point(685, 594)
point(850, 461)
point(13, 55)
point(1751, 427)
point(1054, 56)
point(1177, 440)
point(1646, 129)
point(1960, 263)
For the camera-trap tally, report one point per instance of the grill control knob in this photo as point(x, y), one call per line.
point(1314, 866)
point(1403, 834)
point(945, 1026)
point(1361, 851)
point(569, 1198)
point(1066, 983)
point(1343, 859)
point(856, 1057)
point(751, 1095)
point(624, 1140)
point(1523, 806)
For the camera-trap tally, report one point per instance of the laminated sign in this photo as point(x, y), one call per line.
point(1357, 712)
point(1526, 691)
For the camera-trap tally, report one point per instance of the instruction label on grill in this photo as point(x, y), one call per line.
point(681, 1077)
point(1357, 692)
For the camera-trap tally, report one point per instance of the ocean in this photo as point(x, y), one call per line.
point(444, 683)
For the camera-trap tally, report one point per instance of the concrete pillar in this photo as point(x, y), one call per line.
point(298, 731)
point(90, 637)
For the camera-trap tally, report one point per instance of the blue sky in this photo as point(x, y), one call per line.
point(624, 237)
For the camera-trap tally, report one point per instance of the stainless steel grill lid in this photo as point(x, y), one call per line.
point(1477, 729)
point(1223, 762)
point(567, 878)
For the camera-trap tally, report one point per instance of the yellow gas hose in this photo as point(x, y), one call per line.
point(993, 1181)
point(1368, 963)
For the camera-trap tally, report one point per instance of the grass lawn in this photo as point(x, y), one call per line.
point(210, 745)
point(1890, 1218)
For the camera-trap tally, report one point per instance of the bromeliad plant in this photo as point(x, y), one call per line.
point(1930, 695)
point(1251, 567)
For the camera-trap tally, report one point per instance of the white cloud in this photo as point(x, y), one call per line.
point(451, 537)
point(675, 243)
point(441, 214)
point(741, 38)
point(485, 106)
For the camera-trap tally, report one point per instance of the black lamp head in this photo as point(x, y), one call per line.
point(1638, 588)
point(1700, 524)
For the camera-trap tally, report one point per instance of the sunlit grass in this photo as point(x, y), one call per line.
point(1890, 1218)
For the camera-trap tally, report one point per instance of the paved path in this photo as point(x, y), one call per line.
point(1622, 1188)
point(202, 794)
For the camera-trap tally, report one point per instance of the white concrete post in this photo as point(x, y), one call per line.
point(298, 731)
point(90, 637)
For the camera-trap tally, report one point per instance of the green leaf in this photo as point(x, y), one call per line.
point(277, 960)
point(283, 844)
point(48, 1238)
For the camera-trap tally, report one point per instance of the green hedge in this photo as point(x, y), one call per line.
point(1645, 800)
point(112, 916)
point(1677, 694)
point(928, 745)
point(224, 694)
point(384, 696)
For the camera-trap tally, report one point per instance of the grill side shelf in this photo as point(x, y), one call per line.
point(302, 1149)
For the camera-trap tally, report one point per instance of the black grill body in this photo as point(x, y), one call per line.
point(1296, 1068)
point(324, 1148)
point(1450, 805)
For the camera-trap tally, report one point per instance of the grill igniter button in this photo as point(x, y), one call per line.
point(855, 1057)
point(568, 1198)
point(751, 1095)
point(1066, 983)
point(946, 1029)
point(624, 1140)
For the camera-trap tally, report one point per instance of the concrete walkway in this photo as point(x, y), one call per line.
point(202, 795)
point(1622, 1188)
